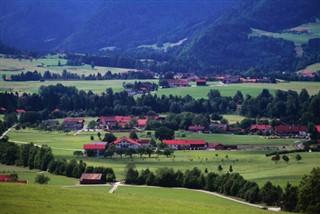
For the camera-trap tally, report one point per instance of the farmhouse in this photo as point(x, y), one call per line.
point(10, 179)
point(284, 130)
point(318, 128)
point(219, 127)
point(142, 123)
point(196, 129)
point(73, 123)
point(20, 111)
point(174, 83)
point(220, 146)
point(91, 178)
point(264, 129)
point(114, 122)
point(125, 142)
point(191, 144)
point(95, 149)
point(200, 82)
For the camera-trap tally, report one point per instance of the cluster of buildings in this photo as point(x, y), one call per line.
point(281, 130)
point(227, 79)
point(11, 179)
point(98, 148)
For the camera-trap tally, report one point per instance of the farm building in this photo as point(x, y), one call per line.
point(20, 111)
point(175, 83)
point(264, 129)
point(191, 144)
point(10, 179)
point(318, 128)
point(220, 146)
point(196, 129)
point(2, 110)
point(125, 142)
point(283, 130)
point(95, 149)
point(73, 123)
point(219, 126)
point(141, 123)
point(91, 178)
point(201, 82)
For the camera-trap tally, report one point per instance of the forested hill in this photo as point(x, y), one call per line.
point(226, 43)
point(87, 26)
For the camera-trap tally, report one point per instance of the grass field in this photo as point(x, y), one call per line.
point(233, 118)
point(9, 66)
point(313, 68)
point(252, 164)
point(298, 39)
point(252, 89)
point(30, 175)
point(97, 86)
point(48, 199)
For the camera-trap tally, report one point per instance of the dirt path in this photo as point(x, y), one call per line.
point(115, 186)
point(9, 129)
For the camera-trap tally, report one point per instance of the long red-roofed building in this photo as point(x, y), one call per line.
point(91, 178)
point(192, 144)
point(98, 148)
point(263, 128)
point(283, 130)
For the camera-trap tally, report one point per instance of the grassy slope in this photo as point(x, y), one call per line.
point(39, 199)
point(251, 164)
point(313, 28)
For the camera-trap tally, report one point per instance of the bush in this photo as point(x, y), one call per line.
point(42, 179)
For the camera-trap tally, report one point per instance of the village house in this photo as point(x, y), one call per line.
point(91, 178)
point(190, 144)
point(218, 127)
point(73, 123)
point(95, 149)
point(20, 111)
point(176, 83)
point(284, 130)
point(10, 179)
point(200, 82)
point(220, 146)
point(263, 129)
point(196, 129)
point(125, 142)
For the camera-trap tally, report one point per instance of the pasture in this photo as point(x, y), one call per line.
point(37, 199)
point(97, 86)
point(251, 163)
point(252, 89)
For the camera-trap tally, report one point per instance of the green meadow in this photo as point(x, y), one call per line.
point(252, 89)
point(251, 162)
point(50, 199)
point(100, 86)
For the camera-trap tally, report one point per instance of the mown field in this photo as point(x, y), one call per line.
point(251, 163)
point(49, 199)
point(252, 89)
point(99, 86)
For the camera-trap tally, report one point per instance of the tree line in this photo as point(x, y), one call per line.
point(41, 158)
point(288, 106)
point(297, 199)
point(37, 76)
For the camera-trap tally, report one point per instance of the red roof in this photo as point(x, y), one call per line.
point(260, 127)
point(56, 110)
point(97, 146)
point(142, 122)
point(196, 128)
point(198, 80)
point(129, 140)
point(290, 129)
point(91, 176)
point(184, 142)
point(318, 128)
point(214, 145)
point(3, 109)
point(143, 141)
point(73, 120)
point(20, 111)
point(5, 178)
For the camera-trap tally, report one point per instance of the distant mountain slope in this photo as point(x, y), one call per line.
point(226, 44)
point(134, 23)
point(41, 24)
